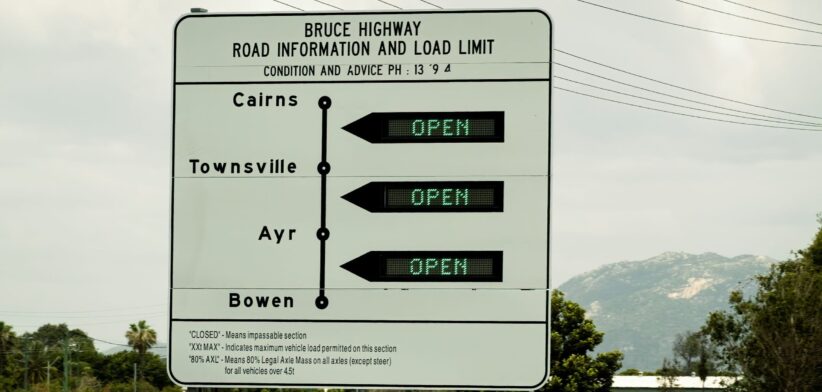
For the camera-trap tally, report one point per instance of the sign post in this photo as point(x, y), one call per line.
point(361, 200)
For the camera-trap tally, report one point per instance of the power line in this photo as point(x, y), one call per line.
point(387, 3)
point(107, 342)
point(772, 13)
point(431, 4)
point(330, 5)
point(745, 17)
point(96, 316)
point(684, 99)
point(84, 311)
point(289, 5)
point(699, 28)
point(118, 344)
point(684, 114)
point(685, 88)
point(672, 104)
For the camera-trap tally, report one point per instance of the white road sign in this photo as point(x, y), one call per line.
point(361, 200)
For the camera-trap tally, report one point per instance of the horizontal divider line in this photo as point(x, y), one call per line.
point(364, 321)
point(366, 63)
point(368, 288)
point(367, 177)
point(364, 81)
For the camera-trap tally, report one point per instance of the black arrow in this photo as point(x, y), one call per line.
point(430, 127)
point(428, 266)
point(429, 196)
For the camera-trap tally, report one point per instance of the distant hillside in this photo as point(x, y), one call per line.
point(159, 349)
point(642, 305)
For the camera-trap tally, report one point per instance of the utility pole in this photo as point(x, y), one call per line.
point(26, 366)
point(48, 373)
point(135, 377)
point(65, 364)
point(48, 369)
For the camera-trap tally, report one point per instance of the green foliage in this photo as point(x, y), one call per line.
point(9, 344)
point(142, 386)
point(141, 337)
point(666, 375)
point(572, 338)
point(50, 340)
point(119, 367)
point(35, 356)
point(693, 354)
point(774, 339)
point(631, 372)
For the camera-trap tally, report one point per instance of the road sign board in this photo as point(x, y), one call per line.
point(361, 200)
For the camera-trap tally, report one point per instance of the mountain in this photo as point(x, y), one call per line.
point(642, 305)
point(159, 349)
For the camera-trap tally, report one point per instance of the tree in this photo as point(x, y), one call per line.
point(141, 337)
point(47, 345)
point(666, 376)
point(572, 337)
point(774, 339)
point(8, 348)
point(693, 354)
point(631, 372)
point(118, 368)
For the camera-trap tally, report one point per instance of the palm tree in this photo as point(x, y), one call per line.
point(141, 337)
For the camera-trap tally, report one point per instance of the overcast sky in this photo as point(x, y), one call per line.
point(85, 139)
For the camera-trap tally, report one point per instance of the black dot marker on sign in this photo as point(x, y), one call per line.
point(324, 168)
point(321, 302)
point(323, 234)
point(324, 102)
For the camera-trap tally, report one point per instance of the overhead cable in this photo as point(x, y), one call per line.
point(330, 5)
point(83, 311)
point(288, 5)
point(107, 342)
point(670, 103)
point(747, 18)
point(89, 316)
point(772, 13)
point(387, 3)
point(682, 98)
point(119, 344)
point(684, 114)
point(685, 88)
point(699, 28)
point(431, 4)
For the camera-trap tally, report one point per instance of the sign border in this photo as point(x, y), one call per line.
point(547, 321)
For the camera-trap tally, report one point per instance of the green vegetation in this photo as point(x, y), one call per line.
point(69, 356)
point(56, 358)
point(141, 337)
point(694, 354)
point(631, 372)
point(774, 338)
point(641, 305)
point(572, 337)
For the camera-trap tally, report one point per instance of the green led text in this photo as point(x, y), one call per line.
point(439, 197)
point(441, 127)
point(438, 266)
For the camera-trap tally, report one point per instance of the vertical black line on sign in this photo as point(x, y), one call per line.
point(323, 168)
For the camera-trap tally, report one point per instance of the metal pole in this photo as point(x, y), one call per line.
point(48, 368)
point(65, 364)
point(135, 377)
point(26, 365)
